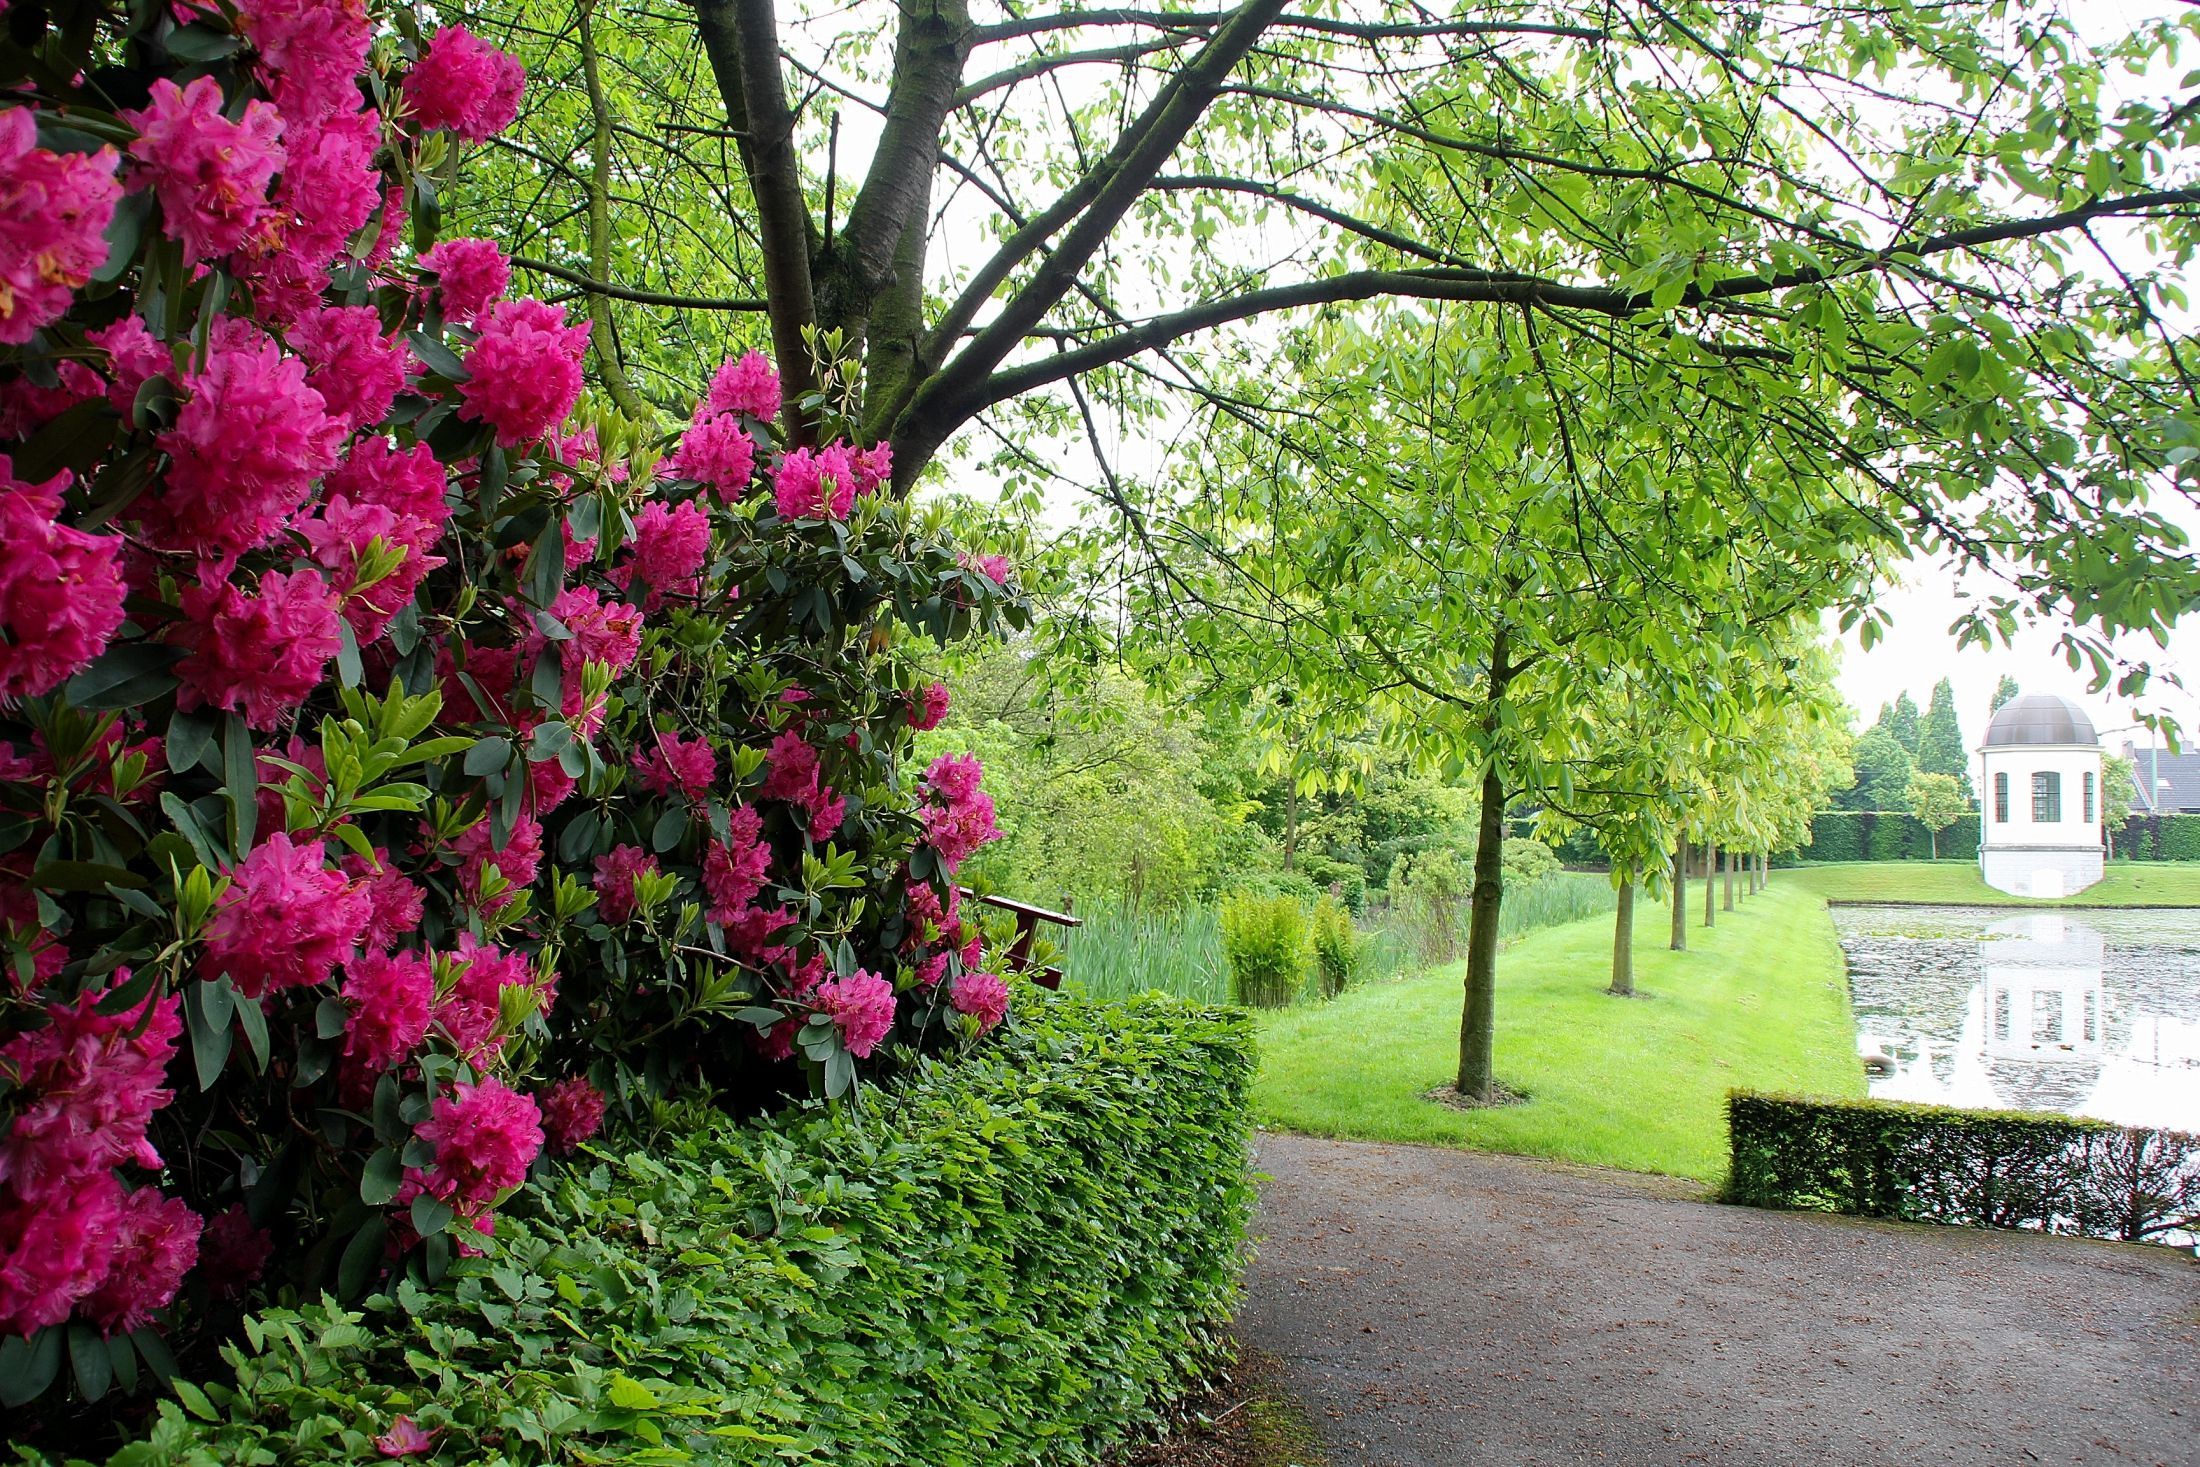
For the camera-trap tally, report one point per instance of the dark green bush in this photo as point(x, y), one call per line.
point(1836, 835)
point(2178, 838)
point(1886, 835)
point(1971, 1168)
point(1012, 1257)
point(1264, 943)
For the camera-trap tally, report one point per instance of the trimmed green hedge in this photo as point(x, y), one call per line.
point(1969, 1168)
point(1013, 1257)
point(1885, 835)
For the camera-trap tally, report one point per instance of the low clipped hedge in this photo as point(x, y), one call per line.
point(1969, 1168)
point(1011, 1257)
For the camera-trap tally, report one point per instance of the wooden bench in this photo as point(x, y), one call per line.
point(1028, 919)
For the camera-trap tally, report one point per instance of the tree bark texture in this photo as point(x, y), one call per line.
point(1728, 901)
point(1679, 943)
point(1710, 884)
point(1478, 1020)
point(1623, 941)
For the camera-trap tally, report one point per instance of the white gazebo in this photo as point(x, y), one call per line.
point(2040, 818)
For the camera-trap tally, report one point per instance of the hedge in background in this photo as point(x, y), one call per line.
point(1011, 1257)
point(1970, 1168)
point(1886, 835)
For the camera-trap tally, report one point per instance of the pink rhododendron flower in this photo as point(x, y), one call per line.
point(524, 371)
point(932, 970)
point(605, 632)
point(259, 655)
point(808, 484)
point(485, 1136)
point(518, 860)
point(469, 1013)
point(248, 442)
point(209, 173)
point(927, 708)
point(669, 764)
point(390, 996)
point(273, 810)
point(471, 275)
point(133, 359)
point(749, 384)
point(311, 51)
point(406, 481)
point(341, 536)
point(962, 821)
point(667, 553)
point(572, 1111)
point(25, 407)
point(872, 467)
point(984, 996)
point(719, 454)
point(827, 810)
point(156, 1243)
point(233, 1253)
point(404, 1439)
point(862, 1005)
point(749, 931)
point(393, 900)
point(791, 768)
point(61, 589)
point(615, 873)
point(87, 1087)
point(54, 1253)
point(547, 786)
point(54, 213)
point(734, 869)
point(357, 370)
point(286, 920)
point(466, 85)
point(328, 190)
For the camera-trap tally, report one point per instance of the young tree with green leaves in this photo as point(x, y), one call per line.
point(1938, 802)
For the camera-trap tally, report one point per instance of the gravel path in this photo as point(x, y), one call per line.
point(1456, 1309)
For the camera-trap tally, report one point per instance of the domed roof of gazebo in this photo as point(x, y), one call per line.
point(2039, 718)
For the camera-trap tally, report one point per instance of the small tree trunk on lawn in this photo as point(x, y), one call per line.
point(1932, 843)
point(1710, 887)
point(1728, 903)
point(1478, 1021)
point(1679, 943)
point(1623, 942)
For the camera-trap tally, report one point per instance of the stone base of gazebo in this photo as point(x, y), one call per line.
point(2040, 871)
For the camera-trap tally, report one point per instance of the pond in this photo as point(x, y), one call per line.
point(2094, 1013)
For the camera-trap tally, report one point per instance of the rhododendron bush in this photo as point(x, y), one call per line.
point(397, 757)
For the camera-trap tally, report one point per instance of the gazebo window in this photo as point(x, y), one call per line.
point(2088, 797)
point(2001, 799)
point(2046, 797)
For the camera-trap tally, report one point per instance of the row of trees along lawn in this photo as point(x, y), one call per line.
point(1611, 363)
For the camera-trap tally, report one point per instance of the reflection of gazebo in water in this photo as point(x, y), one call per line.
point(2044, 1013)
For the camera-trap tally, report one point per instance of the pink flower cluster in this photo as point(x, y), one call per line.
point(673, 765)
point(735, 869)
point(471, 275)
point(667, 554)
point(524, 371)
point(984, 996)
point(794, 776)
point(73, 1240)
point(286, 921)
point(209, 173)
point(54, 213)
point(824, 483)
point(61, 589)
point(747, 385)
point(927, 708)
point(861, 1005)
point(615, 873)
point(259, 655)
point(485, 1137)
point(960, 818)
point(464, 84)
point(572, 1111)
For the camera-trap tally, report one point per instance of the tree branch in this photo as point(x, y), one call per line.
point(591, 286)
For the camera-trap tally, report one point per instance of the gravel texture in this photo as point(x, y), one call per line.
point(1455, 1309)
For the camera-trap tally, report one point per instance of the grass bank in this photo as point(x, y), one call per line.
point(1640, 1083)
point(2127, 884)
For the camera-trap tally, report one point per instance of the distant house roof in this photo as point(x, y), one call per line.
point(2178, 790)
point(2039, 718)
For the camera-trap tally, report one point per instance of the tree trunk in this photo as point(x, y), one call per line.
point(1623, 942)
point(1728, 900)
point(1764, 872)
point(1932, 843)
point(1478, 1021)
point(1679, 943)
point(1710, 886)
point(1290, 822)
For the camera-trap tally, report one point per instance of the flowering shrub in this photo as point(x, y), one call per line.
point(392, 765)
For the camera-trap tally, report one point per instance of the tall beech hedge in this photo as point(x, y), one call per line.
point(1007, 1257)
point(1969, 1168)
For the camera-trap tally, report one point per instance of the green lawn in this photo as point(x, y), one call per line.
point(2128, 883)
point(1639, 1083)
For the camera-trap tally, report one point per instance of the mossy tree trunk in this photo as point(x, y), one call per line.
point(1679, 943)
point(1710, 885)
point(1623, 941)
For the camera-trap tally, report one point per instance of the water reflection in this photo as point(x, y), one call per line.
point(2096, 1015)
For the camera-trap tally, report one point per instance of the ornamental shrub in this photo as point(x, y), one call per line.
point(1264, 942)
point(389, 741)
point(1971, 1168)
point(1014, 1258)
point(1337, 946)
